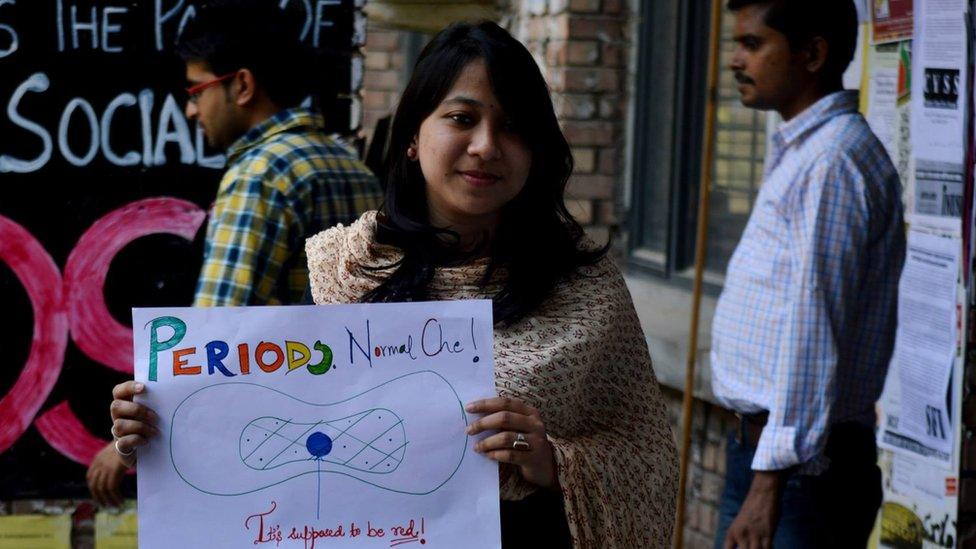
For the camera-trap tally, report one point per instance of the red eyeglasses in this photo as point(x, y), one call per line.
point(193, 92)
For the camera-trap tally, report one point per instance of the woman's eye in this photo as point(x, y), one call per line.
point(460, 118)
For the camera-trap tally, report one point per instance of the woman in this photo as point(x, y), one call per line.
point(474, 209)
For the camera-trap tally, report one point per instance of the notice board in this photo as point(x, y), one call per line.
point(104, 192)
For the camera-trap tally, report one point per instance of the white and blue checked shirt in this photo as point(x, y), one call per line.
point(805, 326)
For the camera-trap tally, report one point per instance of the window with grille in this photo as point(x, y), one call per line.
point(740, 147)
point(668, 144)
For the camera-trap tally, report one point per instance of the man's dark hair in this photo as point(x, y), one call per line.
point(228, 35)
point(803, 20)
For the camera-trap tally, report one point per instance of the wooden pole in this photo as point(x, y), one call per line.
point(705, 185)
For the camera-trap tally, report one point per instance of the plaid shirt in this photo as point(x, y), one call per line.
point(286, 181)
point(805, 325)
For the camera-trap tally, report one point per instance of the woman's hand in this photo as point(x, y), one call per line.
point(105, 476)
point(520, 440)
point(132, 424)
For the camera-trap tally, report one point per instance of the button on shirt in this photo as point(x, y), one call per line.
point(805, 325)
point(286, 180)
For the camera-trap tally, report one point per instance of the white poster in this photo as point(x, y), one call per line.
point(882, 113)
point(917, 415)
point(920, 506)
point(939, 111)
point(316, 426)
point(911, 477)
point(854, 75)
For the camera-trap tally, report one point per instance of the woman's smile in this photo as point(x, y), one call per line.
point(478, 178)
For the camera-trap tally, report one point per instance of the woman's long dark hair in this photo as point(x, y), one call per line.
point(537, 241)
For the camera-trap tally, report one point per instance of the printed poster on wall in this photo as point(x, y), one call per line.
point(939, 113)
point(891, 20)
point(883, 93)
point(917, 409)
point(920, 504)
point(316, 426)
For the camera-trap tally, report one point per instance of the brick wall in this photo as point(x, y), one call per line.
point(581, 46)
point(706, 472)
point(384, 77)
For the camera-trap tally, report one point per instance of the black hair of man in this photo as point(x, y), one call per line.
point(803, 20)
point(229, 35)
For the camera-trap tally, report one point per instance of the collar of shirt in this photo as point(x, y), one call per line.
point(816, 115)
point(281, 121)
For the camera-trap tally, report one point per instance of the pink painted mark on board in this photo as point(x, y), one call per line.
point(93, 328)
point(65, 433)
point(40, 277)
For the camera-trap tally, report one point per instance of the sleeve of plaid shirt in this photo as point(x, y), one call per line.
point(829, 227)
point(247, 244)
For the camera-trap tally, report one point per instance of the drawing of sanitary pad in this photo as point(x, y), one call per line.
point(236, 438)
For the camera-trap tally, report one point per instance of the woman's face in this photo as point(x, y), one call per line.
point(471, 157)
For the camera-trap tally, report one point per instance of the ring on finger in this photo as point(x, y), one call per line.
point(520, 442)
point(120, 452)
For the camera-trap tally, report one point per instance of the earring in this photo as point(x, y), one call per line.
point(412, 153)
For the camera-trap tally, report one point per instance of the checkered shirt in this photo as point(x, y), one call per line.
point(805, 325)
point(286, 181)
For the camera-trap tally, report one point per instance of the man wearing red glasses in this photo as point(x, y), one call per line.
point(286, 179)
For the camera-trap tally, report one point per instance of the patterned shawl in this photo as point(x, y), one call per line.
point(581, 359)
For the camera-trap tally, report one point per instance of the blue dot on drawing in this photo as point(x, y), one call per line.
point(319, 444)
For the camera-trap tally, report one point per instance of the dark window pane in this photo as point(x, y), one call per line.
point(658, 127)
point(740, 144)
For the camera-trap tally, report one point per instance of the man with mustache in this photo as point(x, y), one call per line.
point(248, 75)
point(804, 327)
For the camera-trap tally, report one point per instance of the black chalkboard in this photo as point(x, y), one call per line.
point(102, 177)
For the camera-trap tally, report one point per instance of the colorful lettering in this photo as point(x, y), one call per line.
point(242, 353)
point(326, 362)
point(217, 351)
point(266, 347)
point(303, 355)
point(155, 346)
point(179, 363)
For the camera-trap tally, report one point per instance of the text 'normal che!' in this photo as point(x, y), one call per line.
point(284, 356)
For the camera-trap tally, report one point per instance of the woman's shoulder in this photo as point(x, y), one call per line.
point(363, 230)
point(593, 288)
point(340, 258)
point(599, 273)
point(601, 262)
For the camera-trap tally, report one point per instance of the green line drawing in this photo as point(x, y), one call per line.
point(361, 437)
